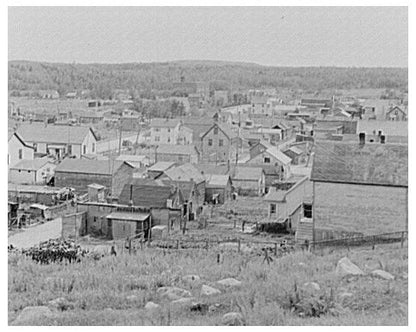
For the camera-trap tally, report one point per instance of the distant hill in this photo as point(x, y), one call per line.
point(103, 79)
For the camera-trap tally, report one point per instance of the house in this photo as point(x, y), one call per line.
point(249, 181)
point(260, 105)
point(264, 154)
point(359, 187)
point(49, 94)
point(79, 173)
point(59, 141)
point(376, 109)
point(218, 188)
point(90, 117)
point(387, 128)
point(185, 136)
point(397, 113)
point(164, 131)
point(71, 95)
point(297, 155)
point(218, 143)
point(135, 160)
point(292, 208)
point(18, 150)
point(316, 102)
point(179, 154)
point(220, 97)
point(156, 170)
point(32, 171)
point(165, 201)
point(185, 173)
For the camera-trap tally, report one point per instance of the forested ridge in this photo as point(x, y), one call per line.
point(103, 79)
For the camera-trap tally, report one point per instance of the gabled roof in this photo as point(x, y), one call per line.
point(39, 133)
point(148, 193)
point(371, 164)
point(216, 181)
point(164, 123)
point(224, 128)
point(212, 169)
point(185, 172)
point(88, 166)
point(21, 140)
point(161, 166)
point(31, 165)
point(247, 173)
point(259, 99)
point(279, 155)
point(295, 150)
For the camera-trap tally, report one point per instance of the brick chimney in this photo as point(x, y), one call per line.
point(361, 137)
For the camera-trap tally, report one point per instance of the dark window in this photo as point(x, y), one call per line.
point(216, 131)
point(266, 160)
point(93, 147)
point(307, 210)
point(220, 142)
point(20, 153)
point(35, 147)
point(210, 142)
point(272, 208)
point(84, 149)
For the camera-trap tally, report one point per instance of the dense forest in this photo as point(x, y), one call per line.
point(103, 79)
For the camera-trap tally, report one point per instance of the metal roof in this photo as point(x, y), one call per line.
point(131, 216)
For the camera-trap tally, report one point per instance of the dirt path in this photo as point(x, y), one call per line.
point(33, 235)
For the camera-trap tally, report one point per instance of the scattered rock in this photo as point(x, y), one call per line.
point(233, 319)
point(31, 314)
point(230, 282)
point(60, 304)
point(131, 298)
point(383, 274)
point(191, 279)
point(214, 307)
point(208, 291)
point(173, 293)
point(183, 302)
point(151, 306)
point(346, 267)
point(345, 295)
point(311, 286)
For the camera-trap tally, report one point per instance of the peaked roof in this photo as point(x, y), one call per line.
point(372, 163)
point(185, 172)
point(164, 122)
point(176, 149)
point(39, 133)
point(20, 140)
point(31, 165)
point(279, 155)
point(215, 181)
point(89, 166)
point(247, 173)
point(161, 166)
point(223, 127)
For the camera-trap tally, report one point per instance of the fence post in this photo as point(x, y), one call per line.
point(239, 245)
point(129, 246)
point(177, 244)
point(275, 249)
point(206, 245)
point(402, 240)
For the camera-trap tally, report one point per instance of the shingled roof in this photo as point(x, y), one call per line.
point(39, 133)
point(164, 123)
point(88, 166)
point(371, 164)
point(185, 172)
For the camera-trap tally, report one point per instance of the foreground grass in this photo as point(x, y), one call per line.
point(101, 291)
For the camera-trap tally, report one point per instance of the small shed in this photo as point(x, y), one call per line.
point(128, 224)
point(96, 192)
point(218, 188)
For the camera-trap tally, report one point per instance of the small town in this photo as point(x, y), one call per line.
point(178, 196)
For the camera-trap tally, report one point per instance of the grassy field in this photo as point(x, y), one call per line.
point(114, 290)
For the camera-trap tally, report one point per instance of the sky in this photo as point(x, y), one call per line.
point(276, 36)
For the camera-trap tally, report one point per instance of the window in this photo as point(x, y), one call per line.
point(307, 210)
point(93, 147)
point(168, 139)
point(35, 147)
point(84, 149)
point(69, 149)
point(168, 130)
point(216, 131)
point(20, 154)
point(272, 208)
point(267, 160)
point(210, 142)
point(157, 130)
point(220, 142)
point(157, 138)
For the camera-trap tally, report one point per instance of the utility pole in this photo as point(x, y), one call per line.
point(119, 138)
point(238, 136)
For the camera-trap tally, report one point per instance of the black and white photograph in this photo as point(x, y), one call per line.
point(207, 165)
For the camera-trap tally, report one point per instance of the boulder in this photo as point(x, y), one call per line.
point(60, 304)
point(230, 282)
point(151, 306)
point(346, 267)
point(182, 302)
point(345, 295)
point(191, 279)
point(31, 314)
point(200, 307)
point(173, 293)
point(131, 298)
point(232, 319)
point(208, 291)
point(383, 274)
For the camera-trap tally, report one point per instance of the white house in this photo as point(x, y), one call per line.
point(59, 140)
point(164, 131)
point(18, 150)
point(36, 171)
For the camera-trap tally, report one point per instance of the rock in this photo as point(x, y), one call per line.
point(346, 267)
point(31, 314)
point(383, 274)
point(233, 319)
point(199, 307)
point(345, 295)
point(60, 304)
point(191, 279)
point(208, 291)
point(311, 286)
point(302, 264)
point(173, 293)
point(151, 306)
point(183, 302)
point(131, 298)
point(230, 282)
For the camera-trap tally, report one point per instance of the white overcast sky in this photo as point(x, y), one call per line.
point(279, 36)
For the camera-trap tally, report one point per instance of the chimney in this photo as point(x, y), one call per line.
point(380, 133)
point(131, 195)
point(382, 139)
point(362, 138)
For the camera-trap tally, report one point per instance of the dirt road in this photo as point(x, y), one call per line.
point(33, 235)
